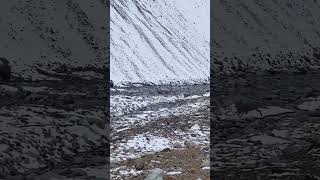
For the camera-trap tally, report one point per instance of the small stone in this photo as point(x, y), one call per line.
point(5, 69)
point(140, 165)
point(155, 174)
point(193, 170)
point(166, 150)
point(177, 145)
point(292, 89)
point(206, 148)
point(189, 144)
point(170, 178)
point(205, 163)
point(193, 135)
point(68, 100)
point(78, 172)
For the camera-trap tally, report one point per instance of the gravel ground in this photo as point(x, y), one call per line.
point(283, 143)
point(159, 125)
point(53, 129)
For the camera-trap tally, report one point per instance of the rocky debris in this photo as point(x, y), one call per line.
point(158, 138)
point(6, 90)
point(278, 145)
point(171, 178)
point(111, 84)
point(43, 134)
point(166, 150)
point(189, 144)
point(177, 145)
point(67, 100)
point(37, 27)
point(155, 174)
point(284, 51)
point(244, 106)
point(140, 165)
point(205, 163)
point(309, 106)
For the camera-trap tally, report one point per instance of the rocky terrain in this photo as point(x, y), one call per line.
point(53, 89)
point(255, 36)
point(159, 106)
point(265, 89)
point(164, 127)
point(280, 143)
point(53, 129)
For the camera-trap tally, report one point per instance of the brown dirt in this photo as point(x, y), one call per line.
point(188, 161)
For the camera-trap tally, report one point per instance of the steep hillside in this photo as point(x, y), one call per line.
point(43, 35)
point(251, 35)
point(152, 41)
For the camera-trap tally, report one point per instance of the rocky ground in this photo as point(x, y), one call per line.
point(280, 143)
point(53, 129)
point(165, 127)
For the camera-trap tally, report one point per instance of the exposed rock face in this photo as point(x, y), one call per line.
point(265, 36)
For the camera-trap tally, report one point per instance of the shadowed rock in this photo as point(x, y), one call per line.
point(5, 69)
point(243, 106)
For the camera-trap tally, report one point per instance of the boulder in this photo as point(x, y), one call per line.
point(111, 84)
point(155, 174)
point(5, 69)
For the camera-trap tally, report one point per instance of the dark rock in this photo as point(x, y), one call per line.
point(177, 145)
point(189, 144)
point(5, 69)
point(68, 100)
point(78, 172)
point(139, 165)
point(166, 150)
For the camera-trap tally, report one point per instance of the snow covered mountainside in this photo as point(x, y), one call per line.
point(256, 36)
point(154, 42)
point(42, 38)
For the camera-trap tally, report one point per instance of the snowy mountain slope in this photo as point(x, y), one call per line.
point(152, 41)
point(45, 34)
point(279, 32)
point(197, 12)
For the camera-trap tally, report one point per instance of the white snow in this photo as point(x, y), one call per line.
point(153, 41)
point(174, 173)
point(131, 172)
point(122, 105)
point(197, 12)
point(195, 127)
point(139, 145)
point(149, 143)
